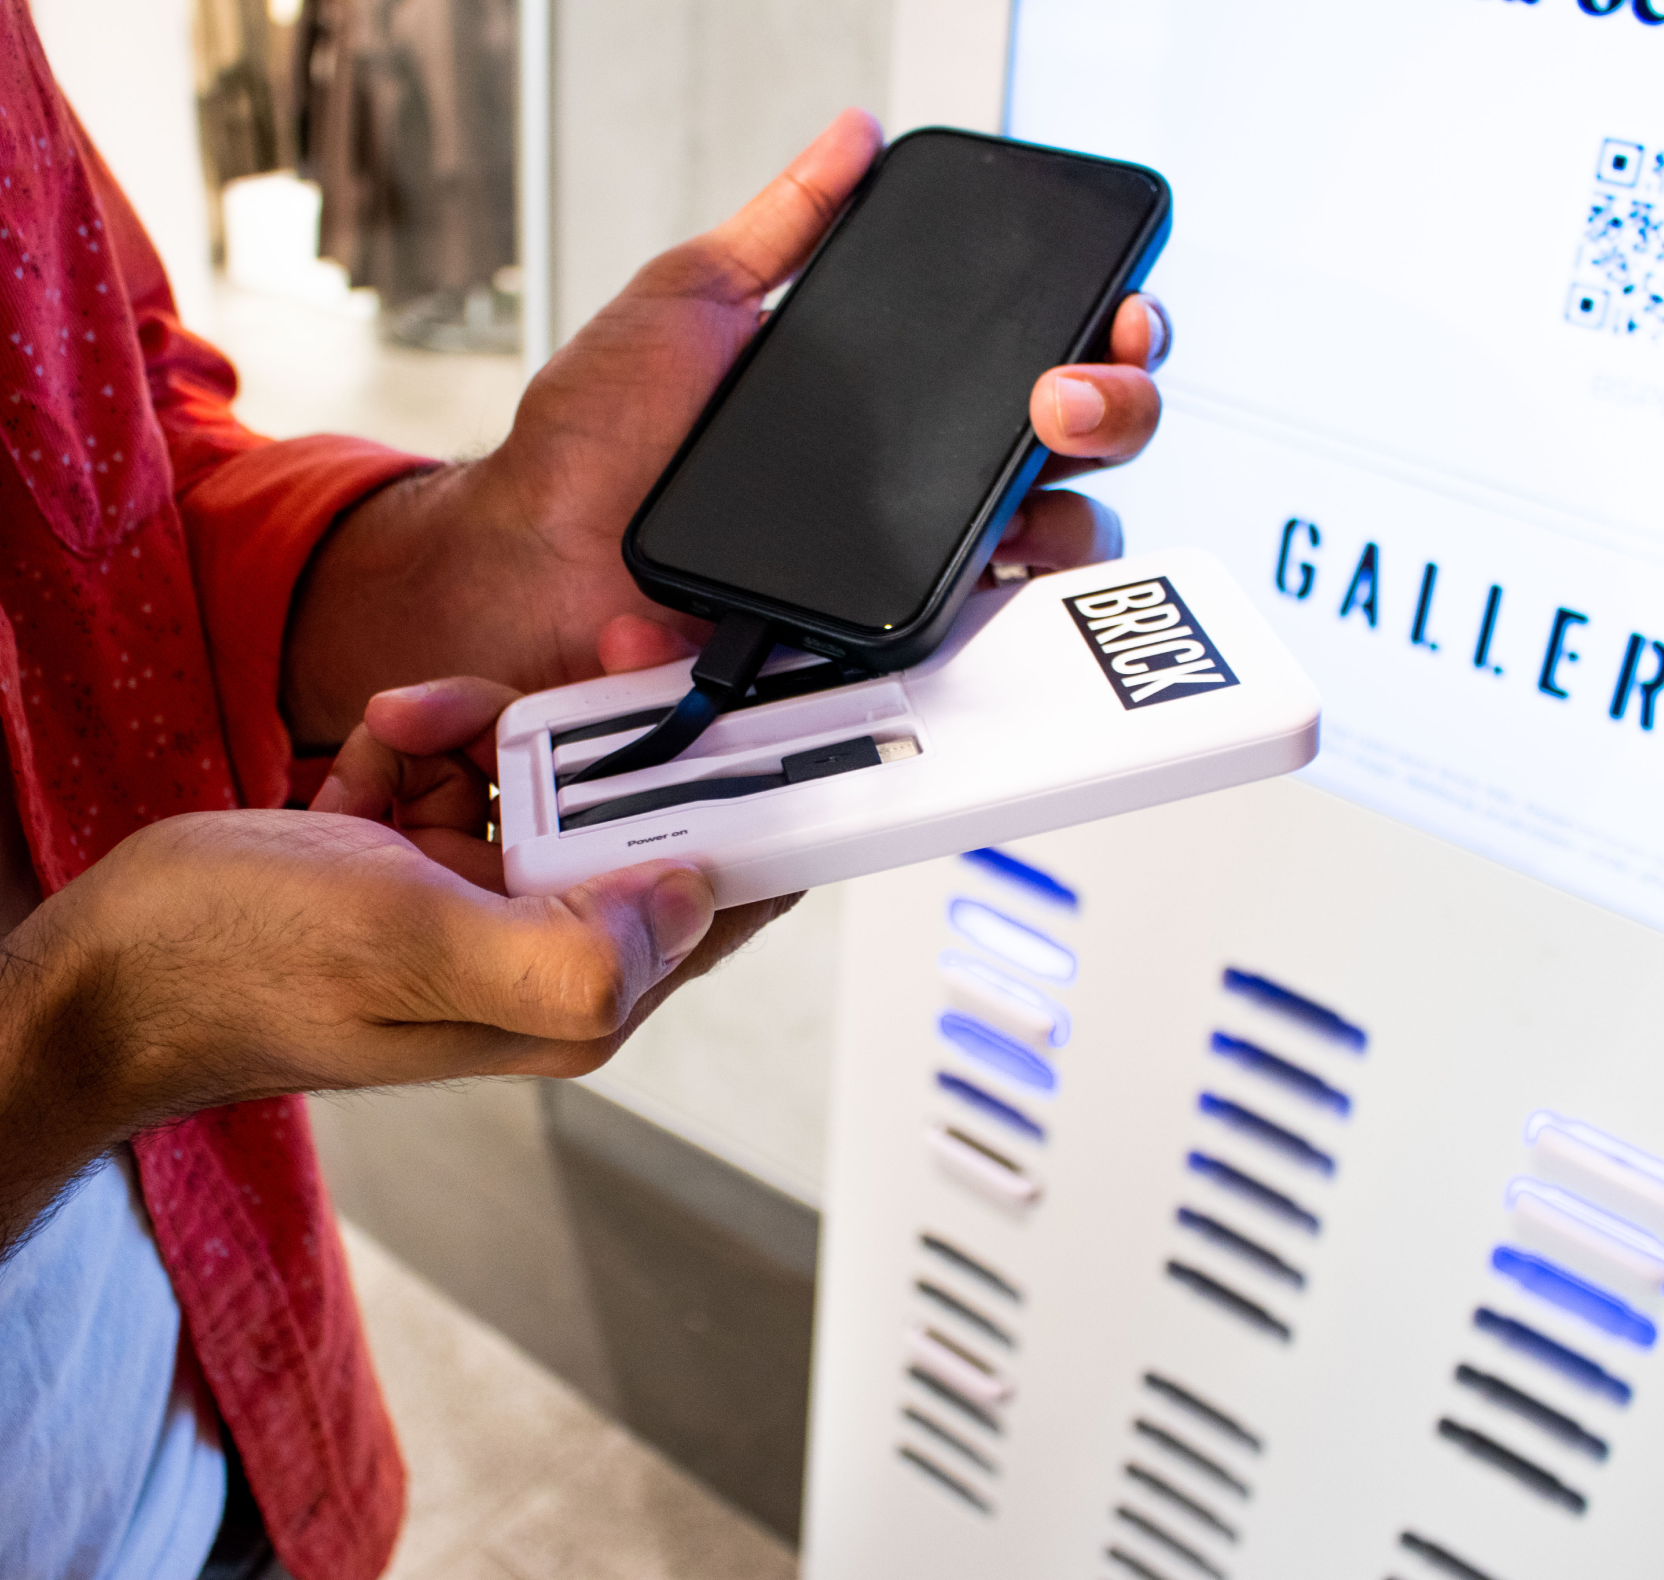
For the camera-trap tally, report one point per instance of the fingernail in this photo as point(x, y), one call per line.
point(1161, 334)
point(331, 796)
point(679, 911)
point(1080, 406)
point(407, 693)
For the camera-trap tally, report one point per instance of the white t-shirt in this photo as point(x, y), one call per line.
point(112, 1467)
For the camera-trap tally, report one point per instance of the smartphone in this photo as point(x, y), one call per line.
point(851, 476)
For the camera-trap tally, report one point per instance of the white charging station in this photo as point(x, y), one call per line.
point(1267, 1186)
point(1062, 700)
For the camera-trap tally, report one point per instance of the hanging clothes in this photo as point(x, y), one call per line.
point(407, 123)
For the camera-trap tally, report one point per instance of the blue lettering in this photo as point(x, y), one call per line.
point(1308, 572)
point(1558, 653)
point(1629, 680)
point(1424, 607)
point(1362, 592)
point(1487, 630)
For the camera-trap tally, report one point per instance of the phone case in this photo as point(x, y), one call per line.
point(880, 650)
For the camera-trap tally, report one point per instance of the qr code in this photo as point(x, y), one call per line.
point(1618, 284)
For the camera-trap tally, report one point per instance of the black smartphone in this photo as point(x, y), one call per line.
point(851, 476)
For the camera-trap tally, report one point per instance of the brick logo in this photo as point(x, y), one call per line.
point(1148, 644)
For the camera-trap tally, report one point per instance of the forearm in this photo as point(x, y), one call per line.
point(393, 595)
point(65, 1096)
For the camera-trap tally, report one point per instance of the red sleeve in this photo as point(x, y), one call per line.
point(253, 509)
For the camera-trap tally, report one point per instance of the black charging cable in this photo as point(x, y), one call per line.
point(722, 674)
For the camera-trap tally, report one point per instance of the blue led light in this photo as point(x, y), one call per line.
point(987, 1103)
point(993, 1048)
point(1576, 1295)
point(1246, 1122)
point(1285, 1001)
point(1023, 946)
point(1540, 1347)
point(1020, 872)
point(1286, 1073)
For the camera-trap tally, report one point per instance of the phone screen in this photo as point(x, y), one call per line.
point(856, 451)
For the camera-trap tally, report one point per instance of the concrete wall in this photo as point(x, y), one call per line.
point(670, 113)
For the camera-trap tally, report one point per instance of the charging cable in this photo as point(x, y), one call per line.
point(722, 674)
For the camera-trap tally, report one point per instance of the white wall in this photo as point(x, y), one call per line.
point(126, 67)
point(947, 64)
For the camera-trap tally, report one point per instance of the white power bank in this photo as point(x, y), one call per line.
point(1062, 700)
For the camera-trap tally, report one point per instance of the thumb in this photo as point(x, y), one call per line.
point(570, 968)
point(777, 229)
point(453, 714)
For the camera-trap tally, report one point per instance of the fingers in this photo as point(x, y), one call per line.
point(1095, 414)
point(1142, 334)
point(629, 642)
point(469, 857)
point(368, 779)
point(572, 969)
point(423, 753)
point(1056, 530)
point(1101, 411)
point(438, 715)
point(763, 243)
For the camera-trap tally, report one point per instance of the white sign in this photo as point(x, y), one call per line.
point(1417, 396)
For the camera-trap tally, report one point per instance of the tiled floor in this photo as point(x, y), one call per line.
point(671, 1292)
point(513, 1476)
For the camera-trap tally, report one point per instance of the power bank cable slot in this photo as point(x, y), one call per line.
point(1252, 1190)
point(1441, 1558)
point(1227, 1299)
point(799, 768)
point(1133, 1565)
point(722, 674)
point(1559, 1357)
point(1246, 1122)
point(966, 1312)
point(1229, 1239)
point(945, 1479)
point(952, 1396)
point(953, 1440)
point(966, 1263)
point(1194, 1457)
point(1505, 1396)
point(1160, 1535)
point(1544, 1483)
point(986, 1103)
point(1163, 1488)
point(1177, 1393)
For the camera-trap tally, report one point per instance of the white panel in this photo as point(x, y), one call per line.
point(1486, 997)
point(1386, 409)
point(947, 64)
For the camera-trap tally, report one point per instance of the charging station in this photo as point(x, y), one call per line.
point(1268, 1186)
point(1061, 701)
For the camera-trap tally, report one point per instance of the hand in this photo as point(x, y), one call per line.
point(425, 758)
point(510, 567)
point(222, 956)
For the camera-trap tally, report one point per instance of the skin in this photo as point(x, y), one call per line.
point(223, 956)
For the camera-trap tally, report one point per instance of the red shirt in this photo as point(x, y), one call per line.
point(149, 547)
